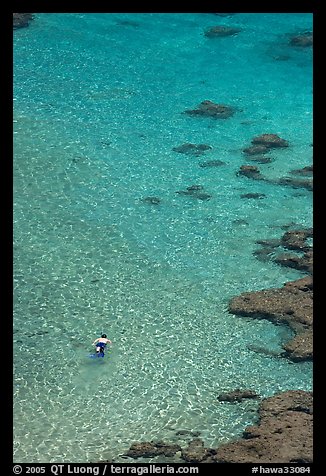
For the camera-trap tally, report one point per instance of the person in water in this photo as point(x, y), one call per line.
point(101, 343)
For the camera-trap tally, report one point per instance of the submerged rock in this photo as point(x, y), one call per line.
point(300, 347)
point(152, 200)
point(271, 243)
point(128, 23)
point(199, 196)
point(264, 254)
point(255, 150)
point(150, 449)
point(195, 188)
point(294, 240)
point(296, 182)
point(224, 14)
point(210, 109)
point(305, 171)
point(281, 57)
point(221, 31)
point(195, 191)
point(263, 350)
point(292, 305)
point(258, 196)
point(22, 20)
point(211, 163)
point(297, 239)
point(284, 433)
point(250, 171)
point(263, 143)
point(302, 263)
point(197, 453)
point(192, 149)
point(270, 141)
point(237, 395)
point(302, 40)
point(261, 160)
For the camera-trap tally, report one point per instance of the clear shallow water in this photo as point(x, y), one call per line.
point(99, 103)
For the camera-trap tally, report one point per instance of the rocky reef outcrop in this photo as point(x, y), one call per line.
point(270, 141)
point(284, 433)
point(292, 305)
point(292, 250)
point(149, 449)
point(302, 40)
point(21, 20)
point(250, 171)
point(263, 143)
point(210, 109)
point(253, 172)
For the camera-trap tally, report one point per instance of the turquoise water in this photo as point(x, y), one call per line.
point(98, 107)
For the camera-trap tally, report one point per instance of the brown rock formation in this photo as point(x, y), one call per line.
point(256, 150)
point(210, 109)
point(250, 171)
point(263, 143)
point(294, 240)
point(297, 239)
point(197, 453)
point(283, 435)
point(149, 449)
point(301, 262)
point(291, 305)
point(300, 347)
point(270, 140)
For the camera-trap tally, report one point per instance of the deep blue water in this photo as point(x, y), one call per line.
point(99, 103)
